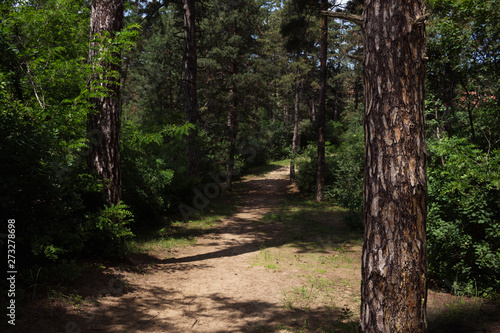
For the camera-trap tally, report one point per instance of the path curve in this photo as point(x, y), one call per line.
point(212, 286)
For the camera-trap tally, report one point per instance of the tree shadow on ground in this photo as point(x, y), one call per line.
point(447, 313)
point(156, 310)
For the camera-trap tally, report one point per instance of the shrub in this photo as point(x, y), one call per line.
point(146, 177)
point(464, 216)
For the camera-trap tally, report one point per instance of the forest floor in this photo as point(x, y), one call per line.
point(277, 263)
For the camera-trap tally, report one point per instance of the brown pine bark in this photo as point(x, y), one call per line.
point(320, 166)
point(394, 262)
point(103, 123)
point(190, 94)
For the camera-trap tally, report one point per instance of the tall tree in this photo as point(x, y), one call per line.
point(299, 42)
point(190, 94)
point(394, 260)
point(103, 125)
point(320, 167)
point(394, 266)
point(228, 50)
point(295, 137)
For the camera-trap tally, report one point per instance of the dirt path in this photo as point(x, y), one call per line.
point(209, 287)
point(212, 286)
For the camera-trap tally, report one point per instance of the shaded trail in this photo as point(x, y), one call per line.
point(211, 286)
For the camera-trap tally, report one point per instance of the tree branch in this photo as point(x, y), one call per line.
point(355, 57)
point(344, 16)
point(420, 20)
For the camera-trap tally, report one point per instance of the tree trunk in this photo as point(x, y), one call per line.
point(103, 124)
point(232, 122)
point(313, 108)
point(394, 262)
point(295, 131)
point(190, 97)
point(320, 166)
point(285, 113)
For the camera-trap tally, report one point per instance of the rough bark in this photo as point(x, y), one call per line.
point(103, 123)
point(394, 262)
point(190, 95)
point(320, 166)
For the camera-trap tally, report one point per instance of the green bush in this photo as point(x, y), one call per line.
point(344, 170)
point(463, 227)
point(278, 147)
point(146, 177)
point(44, 186)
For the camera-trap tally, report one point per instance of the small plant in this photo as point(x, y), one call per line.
point(288, 300)
point(272, 266)
point(34, 281)
point(344, 323)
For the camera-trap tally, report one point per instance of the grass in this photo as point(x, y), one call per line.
point(326, 254)
point(313, 226)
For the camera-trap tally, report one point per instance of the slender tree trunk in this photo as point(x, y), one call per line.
point(103, 123)
point(313, 108)
point(320, 166)
point(190, 95)
point(232, 123)
point(295, 131)
point(285, 113)
point(394, 262)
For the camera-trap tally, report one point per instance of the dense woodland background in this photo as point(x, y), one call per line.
point(257, 84)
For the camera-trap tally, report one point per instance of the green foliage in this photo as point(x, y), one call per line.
point(114, 220)
point(464, 216)
point(44, 186)
point(344, 165)
point(278, 146)
point(146, 175)
point(44, 181)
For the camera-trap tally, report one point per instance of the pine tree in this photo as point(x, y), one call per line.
point(103, 125)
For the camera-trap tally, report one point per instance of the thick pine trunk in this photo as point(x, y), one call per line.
point(190, 94)
point(103, 123)
point(394, 262)
point(320, 166)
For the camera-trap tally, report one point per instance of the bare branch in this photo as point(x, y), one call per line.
point(33, 84)
point(355, 57)
point(344, 16)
